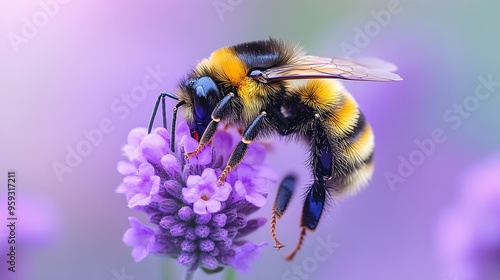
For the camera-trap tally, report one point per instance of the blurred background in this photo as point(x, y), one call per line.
point(72, 68)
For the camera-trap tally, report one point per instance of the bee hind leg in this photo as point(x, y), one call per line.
point(311, 213)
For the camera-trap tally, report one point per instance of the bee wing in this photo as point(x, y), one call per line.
point(314, 67)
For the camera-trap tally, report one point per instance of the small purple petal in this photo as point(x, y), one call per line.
point(254, 155)
point(189, 144)
point(190, 195)
point(213, 206)
point(171, 165)
point(209, 176)
point(221, 141)
point(246, 253)
point(122, 188)
point(182, 130)
point(139, 199)
point(200, 206)
point(145, 170)
point(147, 192)
point(240, 189)
point(126, 168)
point(163, 133)
point(153, 147)
point(136, 135)
point(251, 226)
point(141, 237)
point(131, 149)
point(204, 157)
point(222, 193)
point(256, 199)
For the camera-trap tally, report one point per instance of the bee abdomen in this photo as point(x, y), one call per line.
point(355, 157)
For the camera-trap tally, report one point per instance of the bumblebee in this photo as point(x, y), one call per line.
point(269, 87)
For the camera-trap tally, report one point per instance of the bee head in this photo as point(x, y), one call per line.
point(204, 96)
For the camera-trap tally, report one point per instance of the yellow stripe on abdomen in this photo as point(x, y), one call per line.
point(362, 147)
point(332, 102)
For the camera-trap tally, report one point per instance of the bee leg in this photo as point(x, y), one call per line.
point(299, 245)
point(285, 192)
point(161, 97)
point(220, 111)
point(311, 213)
point(174, 122)
point(239, 152)
point(322, 167)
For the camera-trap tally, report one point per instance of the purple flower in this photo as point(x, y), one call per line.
point(252, 188)
point(468, 235)
point(141, 237)
point(245, 254)
point(204, 192)
point(193, 219)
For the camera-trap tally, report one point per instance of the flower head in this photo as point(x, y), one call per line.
point(193, 219)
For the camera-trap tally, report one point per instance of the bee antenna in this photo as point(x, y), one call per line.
point(299, 245)
point(174, 121)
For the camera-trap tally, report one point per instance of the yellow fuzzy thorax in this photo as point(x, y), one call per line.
point(232, 72)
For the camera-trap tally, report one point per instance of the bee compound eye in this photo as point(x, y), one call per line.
point(200, 104)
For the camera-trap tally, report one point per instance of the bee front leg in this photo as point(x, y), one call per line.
point(239, 152)
point(220, 111)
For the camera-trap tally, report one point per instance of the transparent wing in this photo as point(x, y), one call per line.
point(314, 67)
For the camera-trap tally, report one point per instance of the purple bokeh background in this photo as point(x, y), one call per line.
point(76, 70)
